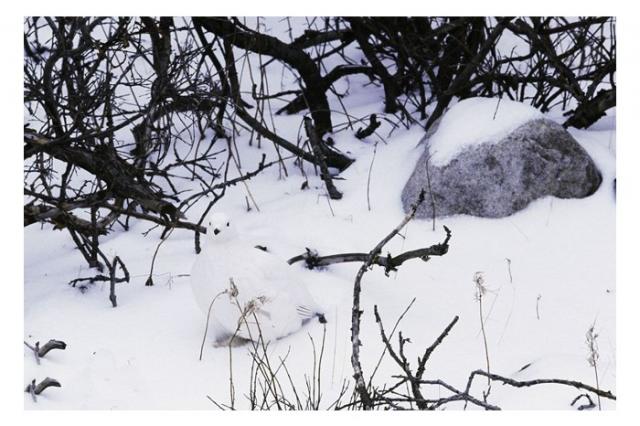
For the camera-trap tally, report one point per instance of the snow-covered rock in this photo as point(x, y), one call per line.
point(476, 121)
point(494, 168)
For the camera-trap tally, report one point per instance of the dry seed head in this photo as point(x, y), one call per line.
point(592, 345)
point(254, 305)
point(233, 290)
point(478, 279)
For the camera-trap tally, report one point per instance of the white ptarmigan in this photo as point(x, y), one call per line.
point(255, 292)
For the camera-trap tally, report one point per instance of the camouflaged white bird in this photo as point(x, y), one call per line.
point(246, 292)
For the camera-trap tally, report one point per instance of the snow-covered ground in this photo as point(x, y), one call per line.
point(549, 269)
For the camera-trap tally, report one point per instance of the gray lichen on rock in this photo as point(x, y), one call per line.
point(496, 179)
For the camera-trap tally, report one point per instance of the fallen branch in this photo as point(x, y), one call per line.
point(390, 263)
point(34, 389)
point(41, 351)
point(527, 383)
point(51, 344)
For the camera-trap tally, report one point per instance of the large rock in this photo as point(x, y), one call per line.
point(498, 178)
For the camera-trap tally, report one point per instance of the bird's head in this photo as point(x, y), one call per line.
point(219, 228)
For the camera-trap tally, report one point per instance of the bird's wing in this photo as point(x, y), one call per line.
point(276, 300)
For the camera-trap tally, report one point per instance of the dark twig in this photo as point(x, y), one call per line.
point(527, 383)
point(317, 144)
point(368, 131)
point(41, 351)
point(427, 353)
point(589, 405)
point(415, 380)
point(163, 238)
point(36, 389)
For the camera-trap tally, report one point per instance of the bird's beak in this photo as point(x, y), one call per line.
point(216, 231)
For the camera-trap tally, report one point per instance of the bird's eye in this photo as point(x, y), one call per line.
point(227, 223)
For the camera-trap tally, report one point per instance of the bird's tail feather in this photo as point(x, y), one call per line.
point(307, 313)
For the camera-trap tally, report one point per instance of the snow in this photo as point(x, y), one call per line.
point(144, 353)
point(476, 121)
point(549, 269)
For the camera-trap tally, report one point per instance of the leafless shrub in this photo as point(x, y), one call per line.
point(121, 110)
